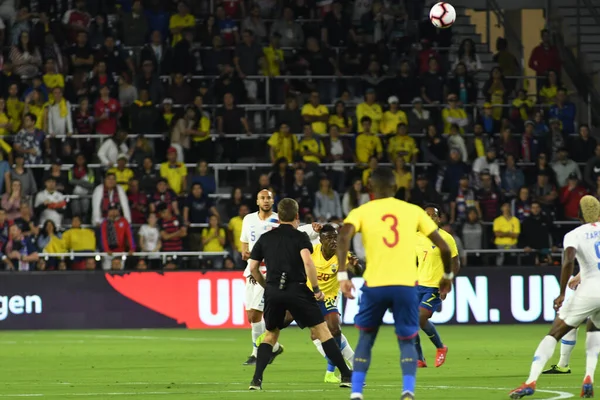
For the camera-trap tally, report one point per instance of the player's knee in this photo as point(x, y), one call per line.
point(335, 330)
point(254, 316)
point(321, 332)
point(423, 318)
point(559, 329)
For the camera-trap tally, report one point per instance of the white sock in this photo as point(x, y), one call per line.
point(276, 347)
point(258, 328)
point(592, 348)
point(567, 344)
point(541, 357)
point(347, 352)
point(319, 347)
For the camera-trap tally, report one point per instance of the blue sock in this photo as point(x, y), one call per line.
point(418, 348)
point(430, 330)
point(362, 359)
point(330, 366)
point(408, 363)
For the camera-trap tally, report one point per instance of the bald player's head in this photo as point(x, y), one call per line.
point(383, 182)
point(264, 201)
point(589, 209)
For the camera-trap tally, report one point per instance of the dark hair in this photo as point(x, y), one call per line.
point(327, 228)
point(383, 177)
point(558, 82)
point(161, 207)
point(437, 208)
point(353, 196)
point(48, 221)
point(501, 44)
point(287, 210)
point(365, 119)
point(30, 46)
point(461, 49)
point(110, 174)
point(31, 116)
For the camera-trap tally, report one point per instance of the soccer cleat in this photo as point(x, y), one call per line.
point(275, 354)
point(440, 357)
point(256, 384)
point(356, 396)
point(407, 396)
point(331, 378)
point(260, 339)
point(587, 389)
point(522, 391)
point(250, 361)
point(346, 382)
point(555, 369)
point(421, 364)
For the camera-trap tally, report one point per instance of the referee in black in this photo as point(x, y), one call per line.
point(287, 255)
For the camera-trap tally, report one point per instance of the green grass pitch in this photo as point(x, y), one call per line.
point(484, 362)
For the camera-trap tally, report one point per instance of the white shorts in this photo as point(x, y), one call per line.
point(255, 297)
point(577, 308)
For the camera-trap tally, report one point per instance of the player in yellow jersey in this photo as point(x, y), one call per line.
point(326, 263)
point(389, 234)
point(431, 270)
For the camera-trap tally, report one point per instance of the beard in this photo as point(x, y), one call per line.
point(265, 209)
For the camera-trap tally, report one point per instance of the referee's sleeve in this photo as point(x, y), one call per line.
point(305, 243)
point(257, 251)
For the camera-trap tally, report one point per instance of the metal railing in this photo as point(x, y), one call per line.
point(100, 255)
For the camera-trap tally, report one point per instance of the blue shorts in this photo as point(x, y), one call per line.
point(430, 298)
point(401, 300)
point(328, 306)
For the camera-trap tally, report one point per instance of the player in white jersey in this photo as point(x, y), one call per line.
point(253, 226)
point(582, 243)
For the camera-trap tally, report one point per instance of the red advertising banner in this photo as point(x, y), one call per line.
point(215, 300)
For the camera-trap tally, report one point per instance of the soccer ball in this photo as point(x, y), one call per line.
point(442, 15)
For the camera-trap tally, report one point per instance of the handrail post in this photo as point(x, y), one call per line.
point(578, 6)
point(487, 24)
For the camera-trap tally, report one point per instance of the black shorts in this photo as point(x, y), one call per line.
point(295, 298)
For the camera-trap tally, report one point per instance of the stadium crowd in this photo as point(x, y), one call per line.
point(153, 85)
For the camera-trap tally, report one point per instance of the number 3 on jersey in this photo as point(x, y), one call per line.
point(393, 228)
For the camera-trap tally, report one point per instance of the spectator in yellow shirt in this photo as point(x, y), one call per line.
point(454, 114)
point(340, 118)
point(506, 232)
point(122, 173)
point(283, 144)
point(275, 62)
point(235, 231)
point(522, 107)
point(549, 90)
point(366, 175)
point(392, 117)
point(180, 21)
point(311, 149)
point(14, 107)
point(402, 145)
point(404, 179)
point(52, 79)
point(213, 239)
point(174, 172)
point(369, 108)
point(367, 143)
point(316, 114)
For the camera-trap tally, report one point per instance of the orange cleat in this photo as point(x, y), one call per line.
point(587, 389)
point(440, 357)
point(421, 364)
point(523, 390)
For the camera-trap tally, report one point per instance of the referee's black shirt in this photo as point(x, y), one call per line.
point(280, 249)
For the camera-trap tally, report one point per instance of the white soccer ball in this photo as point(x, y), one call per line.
point(442, 15)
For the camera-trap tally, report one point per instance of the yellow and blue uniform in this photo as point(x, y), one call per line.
point(327, 277)
point(389, 232)
point(431, 269)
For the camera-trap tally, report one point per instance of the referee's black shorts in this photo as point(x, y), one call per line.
point(296, 298)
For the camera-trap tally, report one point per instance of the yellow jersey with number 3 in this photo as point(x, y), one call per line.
point(389, 233)
point(326, 273)
point(431, 267)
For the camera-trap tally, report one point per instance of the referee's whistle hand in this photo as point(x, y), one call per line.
point(320, 296)
point(347, 287)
